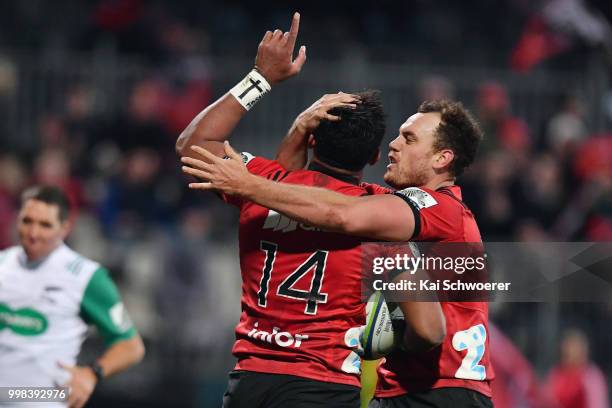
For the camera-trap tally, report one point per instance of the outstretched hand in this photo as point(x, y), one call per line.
point(228, 175)
point(274, 58)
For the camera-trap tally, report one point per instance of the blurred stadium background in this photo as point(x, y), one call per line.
point(94, 93)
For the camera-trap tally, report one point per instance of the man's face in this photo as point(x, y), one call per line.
point(40, 229)
point(411, 154)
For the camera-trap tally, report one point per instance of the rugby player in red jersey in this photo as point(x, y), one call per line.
point(301, 301)
point(433, 147)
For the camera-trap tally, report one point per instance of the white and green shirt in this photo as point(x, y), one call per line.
point(45, 310)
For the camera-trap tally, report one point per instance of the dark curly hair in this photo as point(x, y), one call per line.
point(352, 142)
point(457, 131)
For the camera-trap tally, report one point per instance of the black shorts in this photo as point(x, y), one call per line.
point(248, 389)
point(438, 398)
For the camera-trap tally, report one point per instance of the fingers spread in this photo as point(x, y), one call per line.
point(196, 173)
point(196, 163)
point(205, 153)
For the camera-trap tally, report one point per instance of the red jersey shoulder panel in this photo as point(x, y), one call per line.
point(440, 215)
point(260, 166)
point(374, 189)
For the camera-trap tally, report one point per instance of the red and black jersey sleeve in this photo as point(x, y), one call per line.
point(437, 216)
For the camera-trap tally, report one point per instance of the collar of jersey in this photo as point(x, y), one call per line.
point(23, 260)
point(347, 178)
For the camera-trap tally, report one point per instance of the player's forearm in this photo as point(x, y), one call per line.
point(293, 151)
point(122, 355)
point(213, 124)
point(425, 325)
point(372, 217)
point(317, 207)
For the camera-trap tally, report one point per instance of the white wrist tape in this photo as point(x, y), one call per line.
point(251, 89)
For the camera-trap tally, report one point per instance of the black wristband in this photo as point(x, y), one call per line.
point(98, 370)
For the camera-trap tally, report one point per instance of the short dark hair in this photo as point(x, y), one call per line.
point(352, 142)
point(457, 131)
point(49, 195)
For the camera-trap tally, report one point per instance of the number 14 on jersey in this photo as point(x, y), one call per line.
point(316, 263)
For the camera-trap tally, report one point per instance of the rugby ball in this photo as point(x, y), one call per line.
point(377, 338)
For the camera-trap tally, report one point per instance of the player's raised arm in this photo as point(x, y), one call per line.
point(293, 151)
point(274, 63)
point(382, 217)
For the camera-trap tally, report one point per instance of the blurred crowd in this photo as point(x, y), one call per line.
point(172, 250)
point(574, 381)
point(160, 30)
point(551, 184)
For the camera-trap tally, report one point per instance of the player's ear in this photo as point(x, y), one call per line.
point(66, 227)
point(311, 141)
point(443, 159)
point(375, 157)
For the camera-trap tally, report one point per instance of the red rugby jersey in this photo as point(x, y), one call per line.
point(301, 303)
point(462, 360)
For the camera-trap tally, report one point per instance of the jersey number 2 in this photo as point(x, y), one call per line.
point(473, 340)
point(313, 296)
